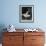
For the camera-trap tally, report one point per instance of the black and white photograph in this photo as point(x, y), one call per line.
point(26, 13)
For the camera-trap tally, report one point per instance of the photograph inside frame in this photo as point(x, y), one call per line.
point(26, 13)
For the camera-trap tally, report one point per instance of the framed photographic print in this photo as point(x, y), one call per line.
point(26, 13)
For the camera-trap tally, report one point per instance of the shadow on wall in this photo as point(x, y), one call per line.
point(2, 26)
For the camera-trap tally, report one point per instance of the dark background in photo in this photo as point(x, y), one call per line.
point(24, 10)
